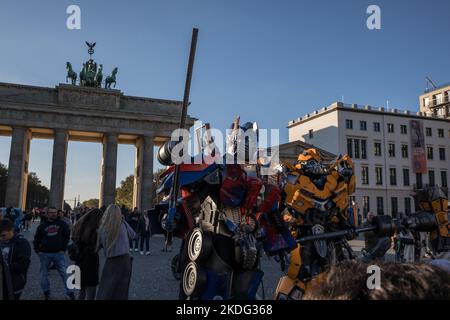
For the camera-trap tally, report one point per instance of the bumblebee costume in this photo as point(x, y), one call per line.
point(316, 199)
point(433, 204)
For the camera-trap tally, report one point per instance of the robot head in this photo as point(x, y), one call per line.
point(242, 142)
point(310, 161)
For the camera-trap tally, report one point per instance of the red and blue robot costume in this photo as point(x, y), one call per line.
point(227, 216)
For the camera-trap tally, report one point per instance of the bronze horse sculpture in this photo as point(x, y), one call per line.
point(72, 75)
point(111, 79)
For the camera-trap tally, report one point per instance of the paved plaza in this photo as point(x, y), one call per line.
point(151, 276)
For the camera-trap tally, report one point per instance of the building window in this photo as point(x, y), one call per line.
point(404, 151)
point(366, 206)
point(444, 182)
point(376, 126)
point(350, 148)
point(405, 177)
point(431, 180)
point(419, 183)
point(365, 175)
point(394, 207)
point(430, 153)
point(363, 149)
point(442, 154)
point(377, 149)
point(348, 124)
point(428, 132)
point(440, 133)
point(380, 206)
point(390, 127)
point(356, 150)
point(379, 175)
point(393, 176)
point(391, 150)
point(403, 129)
point(363, 125)
point(311, 133)
point(408, 205)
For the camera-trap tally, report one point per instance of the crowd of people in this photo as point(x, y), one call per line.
point(118, 233)
point(82, 235)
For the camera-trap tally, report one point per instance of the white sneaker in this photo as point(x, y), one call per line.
point(136, 250)
point(147, 253)
point(131, 250)
point(142, 252)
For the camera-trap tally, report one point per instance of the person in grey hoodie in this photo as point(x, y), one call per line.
point(114, 235)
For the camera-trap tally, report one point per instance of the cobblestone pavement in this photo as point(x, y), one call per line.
point(151, 275)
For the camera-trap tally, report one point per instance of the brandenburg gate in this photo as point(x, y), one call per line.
point(84, 112)
point(78, 113)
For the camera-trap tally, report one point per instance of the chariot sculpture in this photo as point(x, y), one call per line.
point(90, 75)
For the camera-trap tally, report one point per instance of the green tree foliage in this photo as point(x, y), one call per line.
point(124, 193)
point(37, 193)
point(3, 178)
point(91, 203)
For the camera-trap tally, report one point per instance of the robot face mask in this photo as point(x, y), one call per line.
point(311, 166)
point(242, 143)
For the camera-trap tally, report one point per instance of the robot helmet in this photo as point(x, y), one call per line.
point(242, 142)
point(309, 154)
point(310, 161)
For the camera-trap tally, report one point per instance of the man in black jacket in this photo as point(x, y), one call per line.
point(16, 253)
point(50, 243)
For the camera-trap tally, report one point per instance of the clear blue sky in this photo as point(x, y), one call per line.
point(268, 61)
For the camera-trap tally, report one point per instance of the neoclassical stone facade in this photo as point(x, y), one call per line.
point(75, 113)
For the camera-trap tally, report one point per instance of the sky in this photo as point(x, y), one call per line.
point(265, 60)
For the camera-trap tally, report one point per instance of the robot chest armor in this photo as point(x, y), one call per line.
point(308, 195)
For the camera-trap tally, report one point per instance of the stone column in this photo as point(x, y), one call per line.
point(60, 142)
point(16, 185)
point(143, 173)
point(109, 170)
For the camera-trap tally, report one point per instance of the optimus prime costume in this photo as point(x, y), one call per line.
point(227, 215)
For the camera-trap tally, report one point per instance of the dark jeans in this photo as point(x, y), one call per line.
point(134, 242)
point(147, 242)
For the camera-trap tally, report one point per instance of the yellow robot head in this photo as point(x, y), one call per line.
point(309, 161)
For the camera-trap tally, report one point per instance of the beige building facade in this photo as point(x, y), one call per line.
point(436, 101)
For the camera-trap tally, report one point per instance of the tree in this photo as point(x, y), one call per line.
point(91, 203)
point(124, 193)
point(37, 193)
point(3, 178)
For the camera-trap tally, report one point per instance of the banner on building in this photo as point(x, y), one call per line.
point(419, 157)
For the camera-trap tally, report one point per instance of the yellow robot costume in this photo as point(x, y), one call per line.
point(316, 199)
point(433, 199)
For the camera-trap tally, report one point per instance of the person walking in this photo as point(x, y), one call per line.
point(27, 220)
point(144, 231)
point(114, 236)
point(133, 221)
point(50, 243)
point(84, 236)
point(16, 257)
